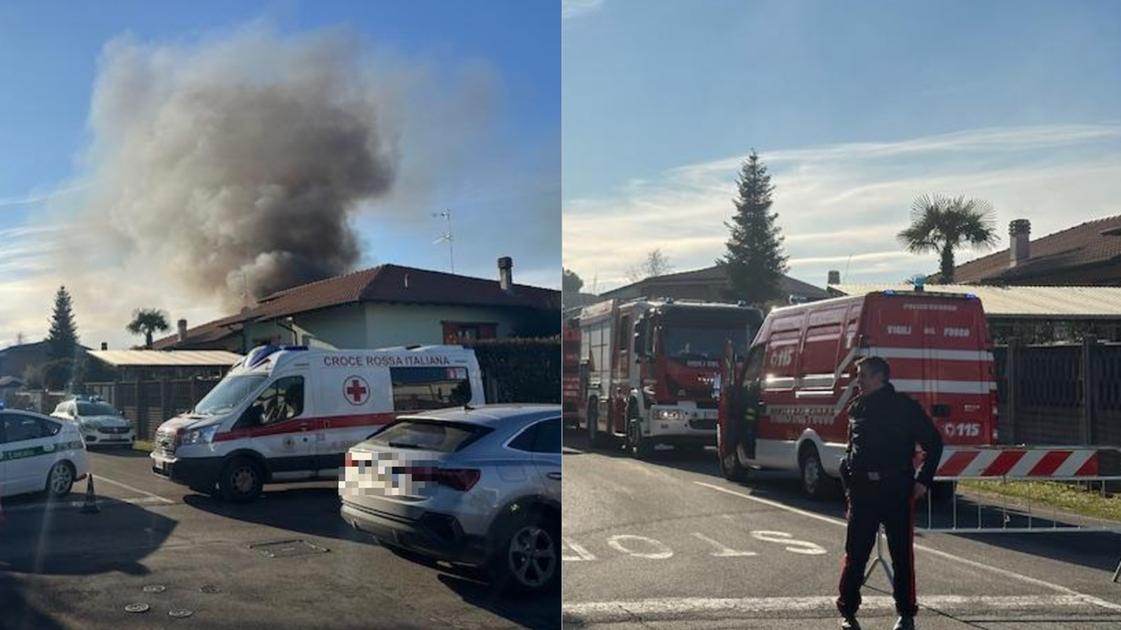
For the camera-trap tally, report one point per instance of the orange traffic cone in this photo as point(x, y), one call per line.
point(89, 506)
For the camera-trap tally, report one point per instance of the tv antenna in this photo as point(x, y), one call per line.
point(447, 236)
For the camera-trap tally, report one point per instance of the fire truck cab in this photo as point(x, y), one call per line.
point(785, 406)
point(648, 369)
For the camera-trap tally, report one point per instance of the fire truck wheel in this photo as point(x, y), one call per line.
point(241, 480)
point(814, 479)
point(730, 465)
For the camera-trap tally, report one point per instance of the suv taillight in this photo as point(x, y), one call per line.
point(462, 479)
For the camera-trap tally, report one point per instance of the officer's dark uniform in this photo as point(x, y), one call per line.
point(879, 475)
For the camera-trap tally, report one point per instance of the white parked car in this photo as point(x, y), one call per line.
point(39, 454)
point(99, 423)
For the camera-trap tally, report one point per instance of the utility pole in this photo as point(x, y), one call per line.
point(447, 236)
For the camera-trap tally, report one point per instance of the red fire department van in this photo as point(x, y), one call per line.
point(648, 368)
point(785, 408)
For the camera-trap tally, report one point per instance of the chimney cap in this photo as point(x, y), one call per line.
point(505, 262)
point(1019, 226)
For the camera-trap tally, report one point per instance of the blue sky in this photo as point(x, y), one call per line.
point(857, 107)
point(499, 173)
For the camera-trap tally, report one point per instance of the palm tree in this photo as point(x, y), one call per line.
point(147, 321)
point(943, 224)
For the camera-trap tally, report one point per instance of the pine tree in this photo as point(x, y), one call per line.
point(62, 341)
point(755, 260)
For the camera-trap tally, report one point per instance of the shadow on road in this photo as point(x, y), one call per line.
point(541, 612)
point(41, 538)
point(313, 511)
point(1096, 550)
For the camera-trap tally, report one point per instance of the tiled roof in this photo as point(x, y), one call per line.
point(1091, 242)
point(715, 274)
point(385, 284)
point(1019, 301)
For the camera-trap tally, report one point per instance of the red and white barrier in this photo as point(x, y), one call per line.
point(1020, 463)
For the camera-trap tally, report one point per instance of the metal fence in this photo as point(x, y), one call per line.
point(148, 403)
point(1059, 394)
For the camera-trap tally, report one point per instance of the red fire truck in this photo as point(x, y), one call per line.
point(570, 372)
point(648, 369)
point(785, 407)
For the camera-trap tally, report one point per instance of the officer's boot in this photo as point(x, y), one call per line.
point(850, 623)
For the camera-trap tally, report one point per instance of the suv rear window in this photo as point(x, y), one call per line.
point(427, 435)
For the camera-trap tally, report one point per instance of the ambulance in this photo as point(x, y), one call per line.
point(785, 406)
point(289, 413)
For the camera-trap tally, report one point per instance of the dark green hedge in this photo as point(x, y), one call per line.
point(520, 370)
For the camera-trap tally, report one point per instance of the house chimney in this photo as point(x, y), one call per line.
point(104, 346)
point(1019, 233)
point(506, 273)
point(182, 330)
point(834, 277)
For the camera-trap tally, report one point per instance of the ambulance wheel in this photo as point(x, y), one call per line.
point(730, 465)
point(241, 480)
point(60, 480)
point(814, 480)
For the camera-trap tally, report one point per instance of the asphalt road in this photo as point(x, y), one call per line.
point(670, 543)
point(159, 544)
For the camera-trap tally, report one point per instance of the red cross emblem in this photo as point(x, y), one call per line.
point(356, 390)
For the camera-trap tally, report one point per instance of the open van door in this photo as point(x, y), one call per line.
point(740, 407)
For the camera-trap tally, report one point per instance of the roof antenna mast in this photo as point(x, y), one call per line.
point(447, 236)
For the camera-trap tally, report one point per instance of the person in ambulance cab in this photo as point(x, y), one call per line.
point(881, 486)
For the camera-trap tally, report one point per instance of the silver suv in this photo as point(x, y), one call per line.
point(479, 486)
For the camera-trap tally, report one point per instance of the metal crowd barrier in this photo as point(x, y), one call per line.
point(973, 513)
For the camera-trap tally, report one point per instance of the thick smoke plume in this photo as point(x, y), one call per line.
point(238, 163)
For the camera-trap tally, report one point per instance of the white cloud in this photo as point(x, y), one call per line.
point(576, 8)
point(850, 200)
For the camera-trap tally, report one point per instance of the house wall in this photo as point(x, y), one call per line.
point(383, 325)
point(407, 324)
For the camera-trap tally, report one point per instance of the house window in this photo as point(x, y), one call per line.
point(460, 332)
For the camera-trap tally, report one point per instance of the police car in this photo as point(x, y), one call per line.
point(39, 454)
point(290, 413)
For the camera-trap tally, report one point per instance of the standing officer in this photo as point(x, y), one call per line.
point(880, 484)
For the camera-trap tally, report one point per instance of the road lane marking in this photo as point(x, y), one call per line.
point(77, 504)
point(582, 554)
point(137, 490)
point(650, 609)
point(942, 554)
point(793, 545)
point(723, 551)
point(663, 552)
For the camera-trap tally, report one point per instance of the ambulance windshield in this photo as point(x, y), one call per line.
point(702, 342)
point(229, 394)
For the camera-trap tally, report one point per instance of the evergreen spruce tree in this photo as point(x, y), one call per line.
point(755, 260)
point(62, 341)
